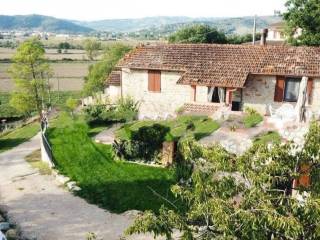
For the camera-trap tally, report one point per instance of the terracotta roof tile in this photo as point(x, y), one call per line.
point(224, 65)
point(114, 78)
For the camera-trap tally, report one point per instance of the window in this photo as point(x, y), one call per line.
point(291, 91)
point(154, 81)
point(287, 89)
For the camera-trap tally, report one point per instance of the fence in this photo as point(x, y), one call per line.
point(46, 150)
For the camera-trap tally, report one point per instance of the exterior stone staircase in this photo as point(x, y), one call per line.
point(201, 108)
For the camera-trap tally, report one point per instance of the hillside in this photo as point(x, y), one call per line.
point(41, 23)
point(167, 25)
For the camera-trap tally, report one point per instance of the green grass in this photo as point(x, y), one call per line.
point(197, 126)
point(252, 120)
point(269, 137)
point(114, 185)
point(18, 136)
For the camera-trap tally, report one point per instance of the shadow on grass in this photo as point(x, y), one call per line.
point(6, 144)
point(122, 196)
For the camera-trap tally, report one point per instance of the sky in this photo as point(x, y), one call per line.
point(110, 9)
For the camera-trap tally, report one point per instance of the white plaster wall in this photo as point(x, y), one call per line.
point(202, 94)
point(152, 104)
point(315, 97)
point(113, 93)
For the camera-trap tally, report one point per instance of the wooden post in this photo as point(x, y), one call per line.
point(168, 152)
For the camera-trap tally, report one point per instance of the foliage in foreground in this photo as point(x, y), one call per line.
point(246, 197)
point(115, 185)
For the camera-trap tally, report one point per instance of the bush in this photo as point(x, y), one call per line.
point(252, 118)
point(126, 110)
point(145, 143)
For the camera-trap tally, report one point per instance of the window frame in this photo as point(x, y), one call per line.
point(296, 79)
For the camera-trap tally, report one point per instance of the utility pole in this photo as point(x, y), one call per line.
point(254, 30)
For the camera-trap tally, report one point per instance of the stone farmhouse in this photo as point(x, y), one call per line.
point(207, 77)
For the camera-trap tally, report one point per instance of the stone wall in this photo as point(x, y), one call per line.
point(259, 93)
point(154, 104)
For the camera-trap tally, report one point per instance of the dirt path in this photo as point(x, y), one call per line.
point(45, 211)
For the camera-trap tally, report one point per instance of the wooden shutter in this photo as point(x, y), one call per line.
point(150, 81)
point(157, 81)
point(279, 89)
point(309, 90)
point(194, 93)
point(154, 81)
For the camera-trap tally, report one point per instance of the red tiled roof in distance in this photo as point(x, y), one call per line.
point(224, 65)
point(114, 78)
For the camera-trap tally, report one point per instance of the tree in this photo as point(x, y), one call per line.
point(246, 197)
point(198, 34)
point(303, 14)
point(92, 48)
point(31, 74)
point(71, 105)
point(95, 81)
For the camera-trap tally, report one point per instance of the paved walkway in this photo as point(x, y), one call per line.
point(236, 142)
point(45, 211)
point(107, 136)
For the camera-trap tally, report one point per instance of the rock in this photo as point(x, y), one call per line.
point(72, 186)
point(2, 236)
point(62, 179)
point(12, 234)
point(2, 219)
point(4, 226)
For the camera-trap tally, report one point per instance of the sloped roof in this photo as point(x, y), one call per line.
point(114, 78)
point(224, 65)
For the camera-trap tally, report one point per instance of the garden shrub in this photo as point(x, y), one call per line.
point(252, 118)
point(126, 110)
point(145, 143)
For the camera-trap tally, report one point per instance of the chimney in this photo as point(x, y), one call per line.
point(264, 34)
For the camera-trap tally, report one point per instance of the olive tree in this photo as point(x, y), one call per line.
point(246, 197)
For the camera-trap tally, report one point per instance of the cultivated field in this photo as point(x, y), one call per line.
point(68, 76)
point(51, 54)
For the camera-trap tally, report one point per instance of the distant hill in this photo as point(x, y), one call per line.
point(167, 25)
point(41, 23)
point(132, 25)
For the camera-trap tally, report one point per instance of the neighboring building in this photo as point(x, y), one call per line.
point(204, 77)
point(113, 86)
point(276, 32)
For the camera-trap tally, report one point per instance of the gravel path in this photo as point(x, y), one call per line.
point(45, 211)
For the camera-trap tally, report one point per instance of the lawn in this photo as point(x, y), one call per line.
point(268, 137)
point(18, 136)
point(114, 185)
point(197, 126)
